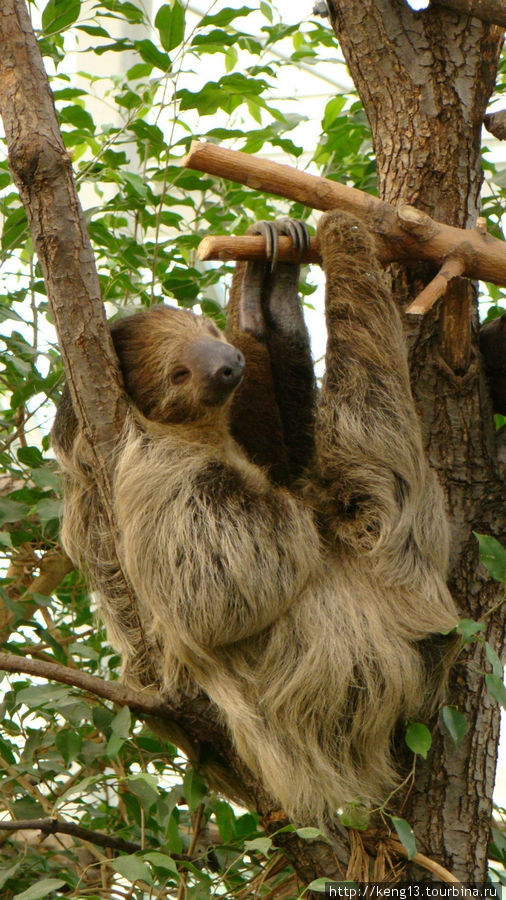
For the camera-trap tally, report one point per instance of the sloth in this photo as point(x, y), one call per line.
point(287, 546)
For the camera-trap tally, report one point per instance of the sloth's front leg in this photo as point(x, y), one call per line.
point(269, 291)
point(270, 308)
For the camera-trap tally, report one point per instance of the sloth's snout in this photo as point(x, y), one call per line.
point(220, 367)
point(229, 372)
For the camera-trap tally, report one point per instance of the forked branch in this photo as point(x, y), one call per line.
point(402, 234)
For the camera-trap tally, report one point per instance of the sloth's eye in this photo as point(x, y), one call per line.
point(180, 375)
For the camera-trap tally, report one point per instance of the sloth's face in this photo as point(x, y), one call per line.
point(176, 366)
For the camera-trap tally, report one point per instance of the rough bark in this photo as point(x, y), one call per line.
point(491, 11)
point(424, 79)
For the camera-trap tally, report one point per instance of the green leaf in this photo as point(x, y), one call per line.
point(225, 820)
point(468, 628)
point(267, 11)
point(7, 754)
point(139, 70)
point(14, 228)
point(102, 719)
point(5, 539)
point(132, 868)
point(262, 845)
point(170, 24)
point(21, 365)
point(58, 15)
point(194, 788)
point(78, 117)
point(41, 889)
point(161, 861)
point(5, 874)
point(69, 744)
point(319, 885)
point(45, 478)
point(30, 456)
point(355, 816)
point(496, 688)
point(79, 789)
point(152, 55)
point(494, 660)
point(11, 510)
point(309, 834)
point(405, 835)
point(122, 722)
point(120, 730)
point(418, 738)
point(493, 556)
point(7, 313)
point(150, 133)
point(455, 723)
point(40, 694)
point(82, 650)
point(27, 808)
point(225, 16)
point(136, 183)
point(130, 11)
point(48, 509)
point(499, 178)
point(144, 787)
point(114, 745)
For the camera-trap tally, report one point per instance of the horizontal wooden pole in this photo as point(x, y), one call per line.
point(402, 234)
point(275, 178)
point(252, 246)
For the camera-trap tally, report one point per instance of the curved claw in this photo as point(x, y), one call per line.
point(269, 233)
point(297, 232)
point(294, 229)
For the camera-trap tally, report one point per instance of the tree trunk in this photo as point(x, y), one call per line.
point(424, 79)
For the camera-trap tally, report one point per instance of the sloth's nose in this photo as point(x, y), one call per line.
point(230, 372)
point(219, 367)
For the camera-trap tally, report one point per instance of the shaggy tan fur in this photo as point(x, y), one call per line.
point(299, 613)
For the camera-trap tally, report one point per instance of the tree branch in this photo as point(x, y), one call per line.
point(196, 719)
point(143, 703)
point(495, 123)
point(58, 826)
point(492, 11)
point(402, 233)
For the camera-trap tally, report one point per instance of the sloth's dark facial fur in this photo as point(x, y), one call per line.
point(175, 364)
